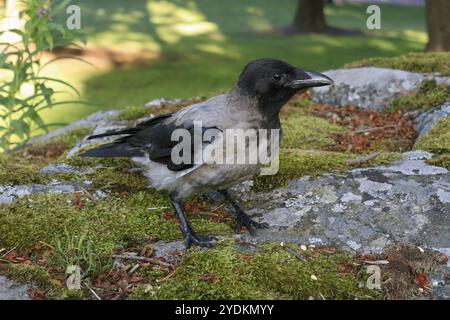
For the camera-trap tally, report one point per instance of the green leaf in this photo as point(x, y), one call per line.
point(59, 81)
point(20, 128)
point(17, 31)
point(57, 27)
point(49, 38)
point(67, 57)
point(34, 116)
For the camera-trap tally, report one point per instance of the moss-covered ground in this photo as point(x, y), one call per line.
point(23, 166)
point(437, 141)
point(41, 235)
point(274, 272)
point(52, 231)
point(438, 138)
point(430, 95)
point(438, 62)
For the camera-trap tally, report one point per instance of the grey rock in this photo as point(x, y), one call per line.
point(414, 167)
point(9, 194)
point(65, 168)
point(362, 209)
point(426, 121)
point(91, 121)
point(12, 291)
point(444, 196)
point(158, 102)
point(417, 155)
point(370, 87)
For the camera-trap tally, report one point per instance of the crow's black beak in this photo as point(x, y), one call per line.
point(309, 79)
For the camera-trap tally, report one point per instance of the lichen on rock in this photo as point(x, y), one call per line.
point(321, 199)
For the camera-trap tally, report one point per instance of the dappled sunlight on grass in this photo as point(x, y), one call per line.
point(196, 47)
point(409, 34)
point(172, 22)
point(211, 48)
point(257, 20)
point(383, 44)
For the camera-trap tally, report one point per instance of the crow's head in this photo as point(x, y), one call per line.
point(274, 82)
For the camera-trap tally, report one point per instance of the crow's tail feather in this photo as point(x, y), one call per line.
point(114, 133)
point(121, 147)
point(112, 150)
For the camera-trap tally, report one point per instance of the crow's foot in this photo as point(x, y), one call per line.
point(190, 236)
point(201, 241)
point(243, 220)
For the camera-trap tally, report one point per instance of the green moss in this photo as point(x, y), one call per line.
point(71, 294)
point(273, 273)
point(25, 171)
point(108, 223)
point(88, 162)
point(26, 162)
point(303, 103)
point(307, 132)
point(414, 62)
point(112, 174)
point(442, 160)
point(20, 171)
point(25, 273)
point(56, 146)
point(73, 137)
point(429, 95)
point(438, 138)
point(296, 163)
point(135, 112)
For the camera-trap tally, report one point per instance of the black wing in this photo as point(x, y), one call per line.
point(152, 137)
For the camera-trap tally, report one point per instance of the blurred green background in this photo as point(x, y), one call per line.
point(145, 49)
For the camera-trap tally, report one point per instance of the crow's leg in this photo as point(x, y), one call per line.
point(190, 236)
point(242, 219)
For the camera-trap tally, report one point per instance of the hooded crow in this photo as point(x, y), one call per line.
point(263, 87)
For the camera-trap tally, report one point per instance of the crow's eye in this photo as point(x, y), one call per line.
point(277, 77)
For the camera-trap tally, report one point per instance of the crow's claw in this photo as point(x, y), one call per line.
point(243, 220)
point(201, 241)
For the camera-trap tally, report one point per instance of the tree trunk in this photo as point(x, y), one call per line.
point(438, 13)
point(310, 16)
